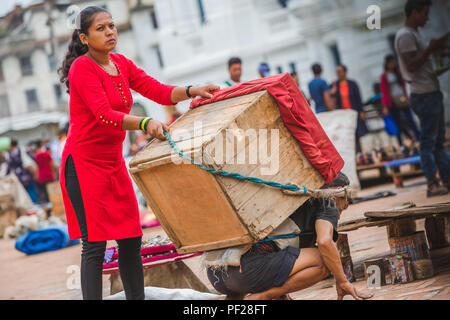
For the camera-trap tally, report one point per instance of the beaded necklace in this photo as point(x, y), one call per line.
point(119, 87)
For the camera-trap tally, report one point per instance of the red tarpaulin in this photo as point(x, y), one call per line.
point(297, 116)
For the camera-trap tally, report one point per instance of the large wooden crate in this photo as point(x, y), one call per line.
point(201, 211)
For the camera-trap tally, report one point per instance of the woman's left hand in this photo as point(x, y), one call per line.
point(204, 91)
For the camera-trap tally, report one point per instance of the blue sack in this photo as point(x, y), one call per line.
point(390, 126)
point(45, 239)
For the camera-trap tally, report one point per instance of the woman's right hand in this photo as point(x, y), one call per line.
point(156, 129)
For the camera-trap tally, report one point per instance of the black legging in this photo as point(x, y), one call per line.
point(92, 254)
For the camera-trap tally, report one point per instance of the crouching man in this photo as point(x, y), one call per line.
point(285, 262)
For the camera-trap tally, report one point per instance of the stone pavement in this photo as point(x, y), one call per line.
point(45, 275)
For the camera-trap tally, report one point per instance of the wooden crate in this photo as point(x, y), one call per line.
point(200, 211)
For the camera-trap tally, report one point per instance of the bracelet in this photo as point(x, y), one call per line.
point(187, 91)
point(144, 122)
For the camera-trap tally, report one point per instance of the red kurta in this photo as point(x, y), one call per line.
point(95, 142)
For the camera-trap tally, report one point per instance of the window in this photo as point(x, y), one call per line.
point(25, 66)
point(4, 106)
point(293, 67)
point(153, 18)
point(58, 95)
point(32, 100)
point(201, 11)
point(283, 3)
point(2, 78)
point(159, 56)
point(335, 54)
point(51, 62)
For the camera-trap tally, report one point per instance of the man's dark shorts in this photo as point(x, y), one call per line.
point(262, 270)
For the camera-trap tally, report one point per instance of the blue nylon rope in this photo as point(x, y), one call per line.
point(231, 174)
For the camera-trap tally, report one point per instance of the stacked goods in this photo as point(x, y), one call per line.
point(401, 227)
point(438, 231)
point(55, 197)
point(344, 254)
point(375, 272)
point(423, 269)
point(400, 268)
point(414, 245)
point(243, 130)
point(8, 212)
point(340, 126)
point(154, 251)
point(163, 266)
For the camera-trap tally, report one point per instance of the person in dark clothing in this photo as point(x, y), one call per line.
point(272, 268)
point(348, 96)
point(395, 100)
point(20, 163)
point(319, 90)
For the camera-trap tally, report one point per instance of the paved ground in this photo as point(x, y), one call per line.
point(47, 275)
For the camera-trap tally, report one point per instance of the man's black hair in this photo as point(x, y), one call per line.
point(417, 5)
point(316, 68)
point(340, 181)
point(14, 143)
point(234, 60)
point(343, 67)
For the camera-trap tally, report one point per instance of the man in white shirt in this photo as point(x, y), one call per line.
point(426, 99)
point(235, 71)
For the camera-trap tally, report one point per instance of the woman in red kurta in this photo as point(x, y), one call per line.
point(97, 191)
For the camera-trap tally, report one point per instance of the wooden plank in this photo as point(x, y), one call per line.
point(351, 220)
point(410, 212)
point(216, 244)
point(371, 166)
point(364, 224)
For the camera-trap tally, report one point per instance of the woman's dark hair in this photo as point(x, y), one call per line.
point(388, 58)
point(76, 48)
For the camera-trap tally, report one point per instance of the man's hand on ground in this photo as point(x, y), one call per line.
point(346, 288)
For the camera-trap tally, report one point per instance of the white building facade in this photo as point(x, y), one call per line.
point(182, 42)
point(196, 38)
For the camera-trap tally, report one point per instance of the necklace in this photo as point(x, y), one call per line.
point(118, 87)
